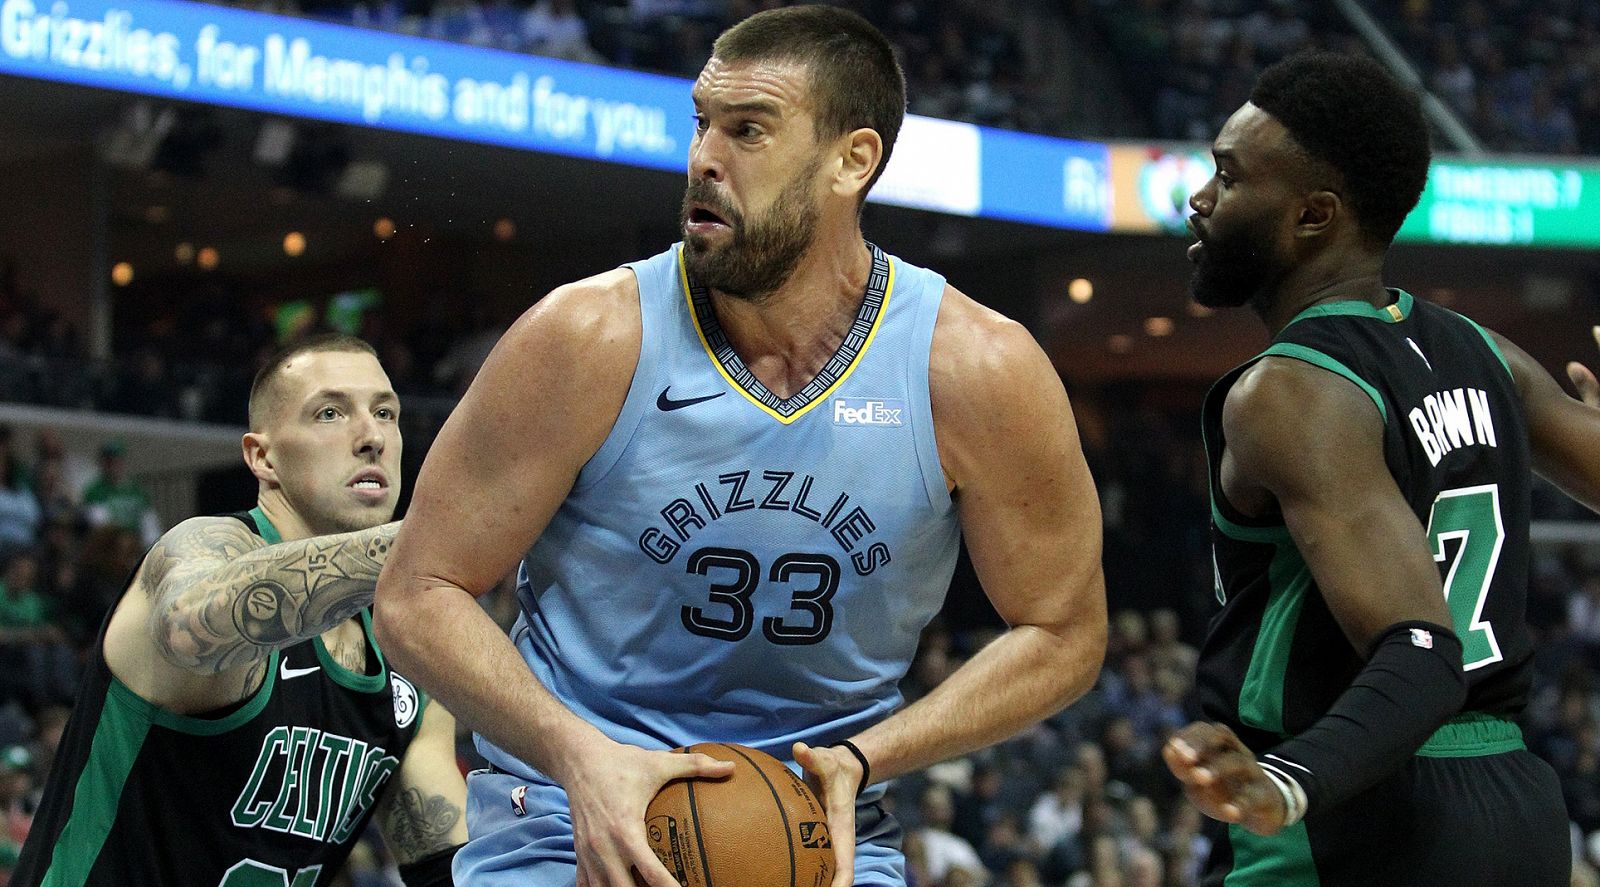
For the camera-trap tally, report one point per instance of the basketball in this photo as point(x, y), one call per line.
point(760, 827)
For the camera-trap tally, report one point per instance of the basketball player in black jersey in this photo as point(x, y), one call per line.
point(237, 726)
point(1370, 480)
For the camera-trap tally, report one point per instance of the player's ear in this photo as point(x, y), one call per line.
point(862, 154)
point(258, 457)
point(1318, 212)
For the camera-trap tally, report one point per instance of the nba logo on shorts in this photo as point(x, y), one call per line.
point(405, 700)
point(1421, 637)
point(519, 800)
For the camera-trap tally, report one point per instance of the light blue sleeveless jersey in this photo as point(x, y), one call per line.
point(734, 567)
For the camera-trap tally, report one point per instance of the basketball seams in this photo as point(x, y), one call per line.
point(777, 801)
point(699, 836)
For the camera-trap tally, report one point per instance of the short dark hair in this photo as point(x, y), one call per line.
point(315, 343)
point(1346, 111)
point(856, 81)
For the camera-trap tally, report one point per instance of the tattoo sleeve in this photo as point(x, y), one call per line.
point(415, 825)
point(222, 598)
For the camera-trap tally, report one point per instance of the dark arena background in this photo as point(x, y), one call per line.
point(185, 186)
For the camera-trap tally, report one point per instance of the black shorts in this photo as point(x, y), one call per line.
point(1494, 820)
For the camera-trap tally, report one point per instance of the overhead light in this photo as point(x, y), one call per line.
point(504, 230)
point(183, 252)
point(1196, 309)
point(1158, 326)
point(1119, 344)
point(122, 274)
point(1080, 290)
point(207, 258)
point(383, 228)
point(294, 243)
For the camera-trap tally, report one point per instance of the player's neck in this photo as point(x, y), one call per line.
point(796, 329)
point(285, 521)
point(1336, 279)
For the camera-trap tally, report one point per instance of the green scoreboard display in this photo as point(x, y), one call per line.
point(1508, 203)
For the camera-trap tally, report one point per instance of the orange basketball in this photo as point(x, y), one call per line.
point(760, 827)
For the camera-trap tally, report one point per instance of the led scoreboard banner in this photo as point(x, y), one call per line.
point(310, 69)
point(1508, 203)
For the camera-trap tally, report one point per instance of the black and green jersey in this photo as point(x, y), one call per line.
point(1455, 440)
point(272, 792)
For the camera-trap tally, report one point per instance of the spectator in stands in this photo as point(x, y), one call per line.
point(977, 810)
point(37, 663)
point(117, 499)
point(1547, 127)
point(19, 509)
point(553, 28)
point(16, 809)
point(945, 852)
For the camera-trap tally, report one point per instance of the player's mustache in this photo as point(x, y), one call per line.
point(703, 194)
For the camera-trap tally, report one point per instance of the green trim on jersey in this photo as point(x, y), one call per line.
point(1473, 734)
point(1283, 860)
point(264, 526)
point(361, 683)
point(1358, 308)
point(1272, 535)
point(1317, 358)
point(1493, 345)
point(117, 740)
point(120, 697)
point(1261, 693)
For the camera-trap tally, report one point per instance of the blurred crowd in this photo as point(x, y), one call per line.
point(1522, 76)
point(964, 58)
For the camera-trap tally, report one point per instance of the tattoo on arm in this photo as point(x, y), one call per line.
point(415, 826)
point(222, 598)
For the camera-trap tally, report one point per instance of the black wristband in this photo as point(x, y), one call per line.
point(432, 870)
point(866, 768)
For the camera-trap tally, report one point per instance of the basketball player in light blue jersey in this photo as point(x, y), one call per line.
point(736, 474)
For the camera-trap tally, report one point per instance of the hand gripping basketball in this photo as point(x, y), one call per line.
point(608, 787)
point(760, 827)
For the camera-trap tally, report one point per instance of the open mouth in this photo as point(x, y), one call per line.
point(370, 482)
point(704, 221)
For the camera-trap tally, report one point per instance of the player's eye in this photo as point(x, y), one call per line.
point(385, 413)
point(327, 414)
point(701, 123)
point(749, 131)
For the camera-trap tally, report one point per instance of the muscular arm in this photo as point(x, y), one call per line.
point(1562, 430)
point(1008, 441)
point(1306, 444)
point(421, 812)
point(1309, 444)
point(504, 461)
point(219, 597)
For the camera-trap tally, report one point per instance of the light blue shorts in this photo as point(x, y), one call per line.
point(508, 849)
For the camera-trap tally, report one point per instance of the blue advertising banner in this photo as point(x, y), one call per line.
point(1046, 181)
point(304, 68)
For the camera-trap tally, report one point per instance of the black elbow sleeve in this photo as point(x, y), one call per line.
point(1412, 683)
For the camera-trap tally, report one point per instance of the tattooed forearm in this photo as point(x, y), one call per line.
point(414, 826)
point(219, 603)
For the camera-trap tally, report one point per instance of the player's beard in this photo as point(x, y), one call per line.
point(1238, 267)
point(764, 250)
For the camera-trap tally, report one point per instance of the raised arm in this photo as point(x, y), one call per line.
point(541, 406)
point(1562, 430)
point(1308, 444)
point(214, 598)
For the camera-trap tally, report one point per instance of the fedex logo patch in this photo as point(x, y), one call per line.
point(869, 411)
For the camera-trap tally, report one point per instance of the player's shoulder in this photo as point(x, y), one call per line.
point(595, 318)
point(207, 536)
point(969, 337)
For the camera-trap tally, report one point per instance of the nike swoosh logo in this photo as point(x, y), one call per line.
point(285, 672)
point(666, 404)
